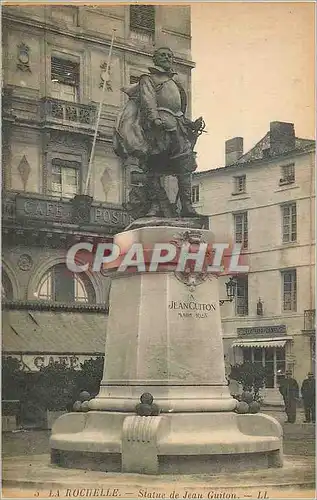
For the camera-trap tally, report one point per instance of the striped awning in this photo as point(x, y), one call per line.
point(44, 332)
point(265, 343)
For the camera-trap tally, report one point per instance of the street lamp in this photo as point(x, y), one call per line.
point(231, 291)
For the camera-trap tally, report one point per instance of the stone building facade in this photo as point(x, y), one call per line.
point(265, 200)
point(54, 60)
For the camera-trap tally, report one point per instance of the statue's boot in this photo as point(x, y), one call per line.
point(185, 195)
point(153, 187)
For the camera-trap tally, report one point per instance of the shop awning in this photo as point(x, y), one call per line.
point(43, 332)
point(266, 343)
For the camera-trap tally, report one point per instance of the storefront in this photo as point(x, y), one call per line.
point(38, 338)
point(269, 347)
point(64, 346)
point(313, 354)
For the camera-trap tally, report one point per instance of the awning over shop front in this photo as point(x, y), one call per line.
point(264, 343)
point(44, 332)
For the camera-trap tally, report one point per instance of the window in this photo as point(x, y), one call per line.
point(136, 178)
point(271, 358)
point(61, 285)
point(6, 289)
point(241, 228)
point(288, 174)
point(66, 14)
point(195, 194)
point(134, 79)
point(313, 355)
point(65, 79)
point(242, 300)
point(239, 185)
point(289, 290)
point(280, 362)
point(65, 178)
point(289, 222)
point(142, 18)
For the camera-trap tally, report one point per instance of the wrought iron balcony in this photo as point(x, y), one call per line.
point(309, 319)
point(71, 112)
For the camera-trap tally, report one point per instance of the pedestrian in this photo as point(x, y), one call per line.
point(308, 395)
point(290, 392)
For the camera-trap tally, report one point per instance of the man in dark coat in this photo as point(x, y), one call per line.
point(308, 395)
point(290, 392)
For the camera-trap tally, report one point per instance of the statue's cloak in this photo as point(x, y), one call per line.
point(131, 135)
point(129, 138)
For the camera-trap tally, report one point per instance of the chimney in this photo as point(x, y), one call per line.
point(234, 150)
point(282, 137)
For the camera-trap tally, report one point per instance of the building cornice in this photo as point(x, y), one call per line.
point(119, 44)
point(39, 305)
point(8, 353)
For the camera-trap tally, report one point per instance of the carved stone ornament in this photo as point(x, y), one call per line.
point(23, 57)
point(192, 236)
point(24, 170)
point(191, 279)
point(25, 262)
point(106, 181)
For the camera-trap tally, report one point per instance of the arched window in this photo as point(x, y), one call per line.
point(61, 285)
point(6, 288)
point(136, 178)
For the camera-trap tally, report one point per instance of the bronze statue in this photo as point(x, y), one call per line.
point(153, 132)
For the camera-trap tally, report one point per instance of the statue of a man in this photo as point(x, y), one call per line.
point(154, 130)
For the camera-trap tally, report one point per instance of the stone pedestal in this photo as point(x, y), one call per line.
point(164, 337)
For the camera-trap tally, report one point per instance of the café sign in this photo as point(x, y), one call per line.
point(258, 331)
point(34, 363)
point(62, 211)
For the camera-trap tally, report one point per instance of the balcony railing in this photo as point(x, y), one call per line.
point(309, 319)
point(69, 111)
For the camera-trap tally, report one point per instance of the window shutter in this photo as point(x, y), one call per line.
point(142, 17)
point(65, 163)
point(63, 284)
point(65, 71)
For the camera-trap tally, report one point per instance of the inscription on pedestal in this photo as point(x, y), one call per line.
point(191, 308)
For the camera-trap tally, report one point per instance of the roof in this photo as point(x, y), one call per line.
point(257, 153)
point(53, 332)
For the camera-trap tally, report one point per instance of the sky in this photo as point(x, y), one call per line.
point(254, 64)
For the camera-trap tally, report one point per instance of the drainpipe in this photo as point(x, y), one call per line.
point(311, 249)
point(311, 245)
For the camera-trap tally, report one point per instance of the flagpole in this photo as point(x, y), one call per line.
point(105, 80)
